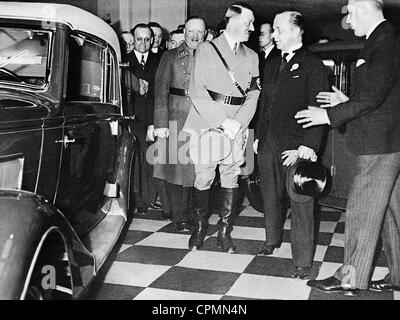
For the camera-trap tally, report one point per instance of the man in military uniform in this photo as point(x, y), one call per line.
point(171, 107)
point(219, 103)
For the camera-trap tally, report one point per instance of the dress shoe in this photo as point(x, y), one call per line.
point(332, 284)
point(267, 250)
point(155, 206)
point(142, 210)
point(182, 226)
point(382, 286)
point(166, 215)
point(302, 273)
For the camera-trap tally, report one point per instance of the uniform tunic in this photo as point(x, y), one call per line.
point(171, 111)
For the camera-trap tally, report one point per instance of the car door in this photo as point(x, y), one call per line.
point(90, 134)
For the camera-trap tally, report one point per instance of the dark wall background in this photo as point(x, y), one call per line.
point(323, 17)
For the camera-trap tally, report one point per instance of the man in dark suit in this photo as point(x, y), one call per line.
point(372, 118)
point(291, 82)
point(143, 64)
point(267, 46)
point(157, 46)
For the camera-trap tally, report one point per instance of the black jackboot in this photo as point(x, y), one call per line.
point(231, 204)
point(200, 204)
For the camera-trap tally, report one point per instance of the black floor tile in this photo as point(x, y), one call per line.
point(254, 222)
point(339, 227)
point(108, 291)
point(195, 280)
point(152, 255)
point(334, 254)
point(330, 216)
point(134, 236)
point(276, 267)
point(242, 246)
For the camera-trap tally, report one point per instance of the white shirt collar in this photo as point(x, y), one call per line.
point(291, 49)
point(139, 55)
point(374, 27)
point(268, 50)
point(231, 42)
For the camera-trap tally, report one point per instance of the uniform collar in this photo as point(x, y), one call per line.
point(231, 42)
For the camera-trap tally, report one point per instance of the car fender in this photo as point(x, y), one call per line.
point(25, 221)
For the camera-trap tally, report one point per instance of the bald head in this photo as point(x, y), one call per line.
point(363, 14)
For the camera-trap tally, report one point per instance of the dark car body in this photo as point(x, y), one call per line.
point(66, 149)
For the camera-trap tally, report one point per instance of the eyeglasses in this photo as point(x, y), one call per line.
point(143, 40)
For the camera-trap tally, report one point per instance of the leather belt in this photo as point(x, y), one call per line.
point(179, 92)
point(237, 101)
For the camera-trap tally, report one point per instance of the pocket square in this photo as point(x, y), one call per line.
point(360, 62)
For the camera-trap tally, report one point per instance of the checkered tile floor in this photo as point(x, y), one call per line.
point(152, 262)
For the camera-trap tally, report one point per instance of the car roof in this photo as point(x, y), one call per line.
point(76, 18)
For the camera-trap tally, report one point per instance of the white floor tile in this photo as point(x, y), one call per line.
point(249, 211)
point(327, 270)
point(285, 251)
point(320, 253)
point(248, 233)
point(147, 225)
point(337, 240)
point(163, 294)
point(396, 295)
point(286, 225)
point(134, 274)
point(265, 287)
point(166, 240)
point(218, 261)
point(380, 273)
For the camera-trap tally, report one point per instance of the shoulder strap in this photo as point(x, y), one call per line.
point(229, 70)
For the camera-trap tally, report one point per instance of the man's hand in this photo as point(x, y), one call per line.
point(144, 87)
point(331, 99)
point(150, 133)
point(313, 116)
point(231, 128)
point(290, 157)
point(307, 153)
point(161, 132)
point(255, 146)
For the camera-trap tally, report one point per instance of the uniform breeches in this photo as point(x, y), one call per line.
point(229, 168)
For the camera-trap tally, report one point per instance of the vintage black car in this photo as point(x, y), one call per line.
point(66, 149)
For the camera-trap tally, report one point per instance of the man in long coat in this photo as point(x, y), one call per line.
point(172, 105)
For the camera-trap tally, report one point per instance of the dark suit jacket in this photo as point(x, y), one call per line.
point(262, 60)
point(285, 93)
point(372, 115)
point(144, 105)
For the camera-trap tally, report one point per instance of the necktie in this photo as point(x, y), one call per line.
point(283, 62)
point(235, 48)
point(142, 62)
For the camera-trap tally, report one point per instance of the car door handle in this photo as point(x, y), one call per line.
point(65, 141)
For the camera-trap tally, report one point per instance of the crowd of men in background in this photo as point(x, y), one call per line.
point(201, 86)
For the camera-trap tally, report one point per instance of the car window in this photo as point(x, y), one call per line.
point(85, 71)
point(24, 56)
